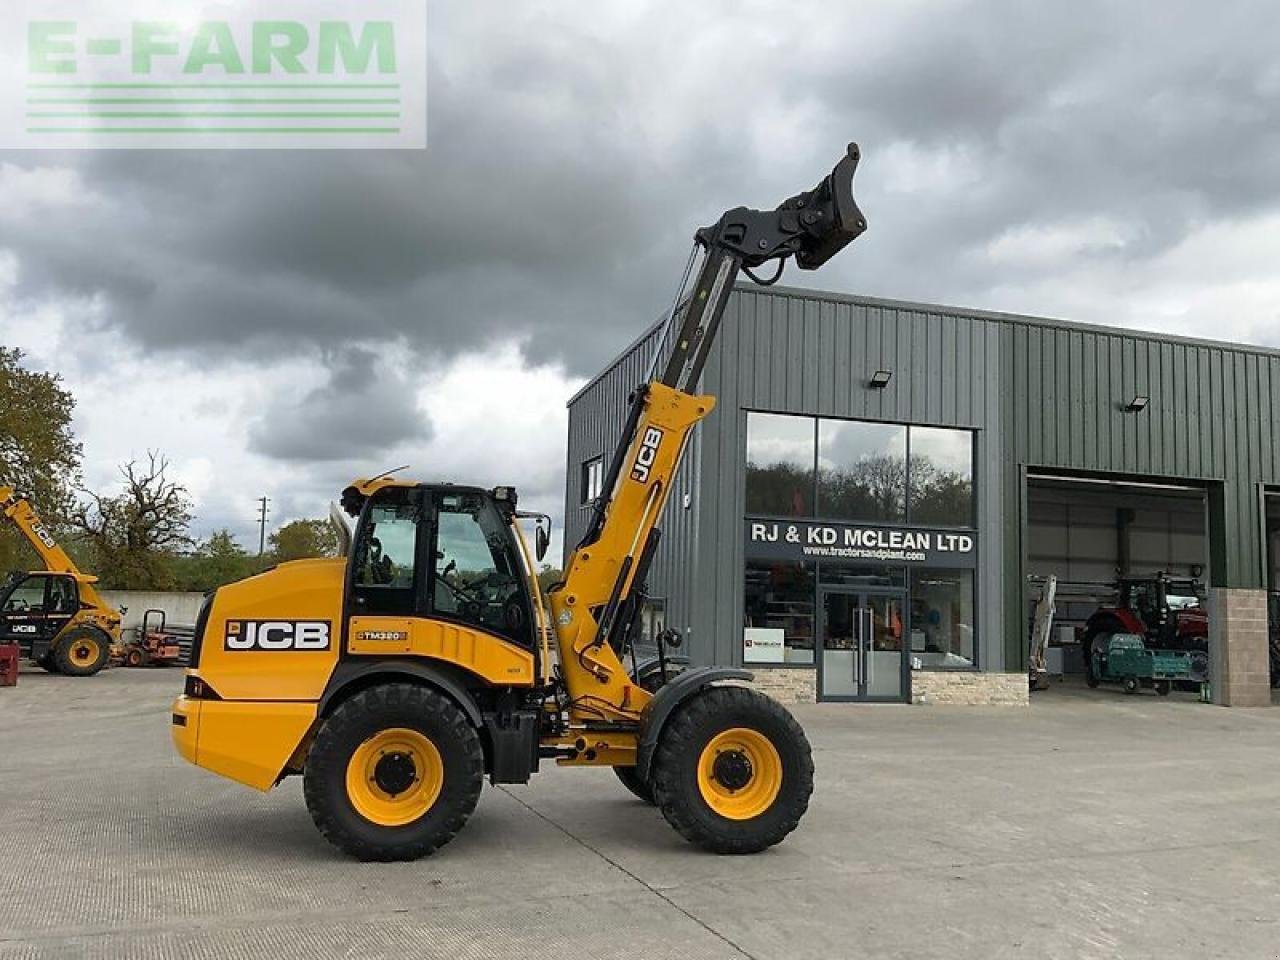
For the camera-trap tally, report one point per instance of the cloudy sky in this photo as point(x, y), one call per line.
point(278, 322)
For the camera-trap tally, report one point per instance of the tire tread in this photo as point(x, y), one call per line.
point(61, 660)
point(681, 737)
point(327, 759)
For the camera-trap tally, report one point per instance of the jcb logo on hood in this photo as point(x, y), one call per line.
point(648, 453)
point(277, 635)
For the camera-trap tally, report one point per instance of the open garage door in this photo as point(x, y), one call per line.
point(1273, 583)
point(1129, 558)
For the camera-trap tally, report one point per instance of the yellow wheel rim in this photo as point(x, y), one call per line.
point(84, 653)
point(739, 773)
point(394, 777)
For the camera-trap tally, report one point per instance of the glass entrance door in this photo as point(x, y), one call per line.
point(863, 655)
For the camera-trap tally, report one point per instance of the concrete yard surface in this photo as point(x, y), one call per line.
point(1090, 825)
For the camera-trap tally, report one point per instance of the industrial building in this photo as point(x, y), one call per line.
point(868, 511)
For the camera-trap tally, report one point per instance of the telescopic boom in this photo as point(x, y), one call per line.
point(596, 605)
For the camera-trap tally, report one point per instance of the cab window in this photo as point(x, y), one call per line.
point(62, 595)
point(27, 597)
point(389, 554)
point(476, 578)
point(385, 559)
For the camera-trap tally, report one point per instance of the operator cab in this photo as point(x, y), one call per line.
point(440, 551)
point(34, 607)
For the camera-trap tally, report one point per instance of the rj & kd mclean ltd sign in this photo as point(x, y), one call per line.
point(796, 540)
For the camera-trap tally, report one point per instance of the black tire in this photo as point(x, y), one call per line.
point(82, 652)
point(675, 772)
point(1163, 687)
point(47, 663)
point(1130, 684)
point(355, 721)
point(631, 780)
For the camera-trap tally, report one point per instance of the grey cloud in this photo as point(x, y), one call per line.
point(363, 410)
point(568, 167)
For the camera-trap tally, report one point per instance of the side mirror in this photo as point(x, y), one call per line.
point(541, 541)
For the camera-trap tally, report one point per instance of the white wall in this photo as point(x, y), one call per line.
point(179, 608)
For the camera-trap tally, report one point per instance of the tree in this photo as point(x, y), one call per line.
point(39, 455)
point(304, 538)
point(133, 535)
point(548, 577)
point(216, 561)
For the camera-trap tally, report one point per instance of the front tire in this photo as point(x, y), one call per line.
point(733, 771)
point(394, 773)
point(82, 652)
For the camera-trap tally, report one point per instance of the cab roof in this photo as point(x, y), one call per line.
point(354, 496)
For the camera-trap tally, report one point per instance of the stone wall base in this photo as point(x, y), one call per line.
point(970, 689)
point(786, 686)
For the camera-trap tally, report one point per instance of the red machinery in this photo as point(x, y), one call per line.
point(155, 646)
point(1167, 611)
point(9, 664)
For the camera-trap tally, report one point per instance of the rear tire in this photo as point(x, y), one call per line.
point(733, 771)
point(1130, 684)
point(630, 779)
point(394, 773)
point(82, 652)
point(1163, 687)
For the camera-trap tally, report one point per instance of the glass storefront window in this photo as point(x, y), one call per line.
point(941, 477)
point(862, 471)
point(778, 615)
point(942, 619)
point(779, 465)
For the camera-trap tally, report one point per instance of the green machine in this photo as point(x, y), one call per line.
point(1125, 659)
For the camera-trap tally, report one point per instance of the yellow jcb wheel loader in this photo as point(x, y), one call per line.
point(396, 677)
point(56, 616)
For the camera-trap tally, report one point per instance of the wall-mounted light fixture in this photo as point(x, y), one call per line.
point(880, 379)
point(1137, 404)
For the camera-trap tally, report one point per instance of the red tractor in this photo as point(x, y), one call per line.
point(1167, 611)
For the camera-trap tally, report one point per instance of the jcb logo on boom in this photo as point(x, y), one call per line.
point(649, 445)
point(44, 535)
point(277, 635)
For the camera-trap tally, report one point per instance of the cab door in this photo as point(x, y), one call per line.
point(35, 611)
point(387, 569)
point(475, 576)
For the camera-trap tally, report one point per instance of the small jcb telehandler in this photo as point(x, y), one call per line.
point(396, 677)
point(56, 616)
